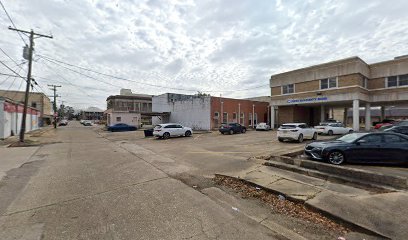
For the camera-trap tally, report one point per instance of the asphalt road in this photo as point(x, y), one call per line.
point(85, 186)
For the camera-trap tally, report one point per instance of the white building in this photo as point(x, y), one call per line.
point(188, 110)
point(11, 115)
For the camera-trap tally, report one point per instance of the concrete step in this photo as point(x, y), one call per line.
point(341, 174)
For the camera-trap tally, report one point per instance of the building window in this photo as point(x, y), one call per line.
point(403, 80)
point(250, 119)
point(392, 81)
point(242, 118)
point(34, 104)
point(288, 89)
point(328, 83)
point(365, 82)
point(225, 117)
point(118, 119)
point(216, 118)
point(234, 117)
point(255, 119)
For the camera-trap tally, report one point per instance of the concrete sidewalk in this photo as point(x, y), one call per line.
point(11, 158)
point(384, 213)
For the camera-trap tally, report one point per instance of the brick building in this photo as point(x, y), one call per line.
point(315, 93)
point(206, 112)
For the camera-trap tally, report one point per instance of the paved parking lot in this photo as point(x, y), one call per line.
point(209, 153)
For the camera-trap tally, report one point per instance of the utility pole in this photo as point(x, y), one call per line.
point(54, 89)
point(30, 63)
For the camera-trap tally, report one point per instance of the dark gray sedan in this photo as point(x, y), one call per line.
point(383, 148)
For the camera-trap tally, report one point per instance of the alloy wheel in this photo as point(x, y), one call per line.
point(336, 158)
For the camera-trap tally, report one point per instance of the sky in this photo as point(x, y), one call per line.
point(220, 47)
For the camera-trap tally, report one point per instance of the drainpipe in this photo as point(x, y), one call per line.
point(239, 113)
point(253, 115)
point(222, 112)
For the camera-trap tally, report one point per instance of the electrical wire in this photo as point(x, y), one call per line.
point(58, 62)
point(8, 15)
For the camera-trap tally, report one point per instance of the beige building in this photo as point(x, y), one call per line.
point(36, 100)
point(129, 108)
point(315, 93)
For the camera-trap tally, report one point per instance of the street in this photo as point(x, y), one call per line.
point(86, 183)
point(83, 186)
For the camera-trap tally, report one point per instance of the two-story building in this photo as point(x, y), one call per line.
point(129, 108)
point(313, 94)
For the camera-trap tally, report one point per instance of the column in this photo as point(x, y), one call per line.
point(239, 113)
point(322, 113)
point(253, 115)
point(368, 117)
point(345, 116)
point(272, 117)
point(382, 113)
point(356, 115)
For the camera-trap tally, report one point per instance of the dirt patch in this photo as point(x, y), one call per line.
point(279, 205)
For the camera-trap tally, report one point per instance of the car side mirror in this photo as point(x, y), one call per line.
point(362, 141)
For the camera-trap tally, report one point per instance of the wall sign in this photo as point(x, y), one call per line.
point(308, 100)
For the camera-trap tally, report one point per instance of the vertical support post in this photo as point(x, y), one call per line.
point(272, 117)
point(382, 113)
point(322, 113)
point(222, 112)
point(356, 115)
point(253, 115)
point(345, 116)
point(367, 116)
point(239, 113)
point(30, 64)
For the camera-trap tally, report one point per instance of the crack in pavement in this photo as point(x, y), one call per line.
point(83, 197)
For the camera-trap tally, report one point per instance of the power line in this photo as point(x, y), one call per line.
point(129, 80)
point(9, 68)
point(8, 15)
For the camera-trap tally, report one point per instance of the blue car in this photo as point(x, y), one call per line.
point(121, 127)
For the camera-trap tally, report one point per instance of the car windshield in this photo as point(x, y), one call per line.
point(351, 137)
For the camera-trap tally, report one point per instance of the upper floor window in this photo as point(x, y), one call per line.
point(395, 81)
point(287, 89)
point(365, 82)
point(328, 83)
point(34, 104)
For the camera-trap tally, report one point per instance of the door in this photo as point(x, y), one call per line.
point(366, 150)
point(308, 132)
point(394, 149)
point(171, 129)
point(179, 130)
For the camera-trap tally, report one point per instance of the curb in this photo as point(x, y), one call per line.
point(325, 213)
point(339, 173)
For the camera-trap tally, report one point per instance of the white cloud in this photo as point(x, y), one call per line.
point(204, 45)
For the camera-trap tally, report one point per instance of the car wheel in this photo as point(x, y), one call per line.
point(314, 136)
point(300, 138)
point(187, 134)
point(336, 157)
point(166, 135)
point(222, 133)
point(243, 130)
point(231, 132)
point(280, 139)
point(330, 132)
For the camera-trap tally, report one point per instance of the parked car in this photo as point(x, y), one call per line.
point(384, 122)
point(232, 128)
point(81, 121)
point(63, 123)
point(87, 123)
point(171, 130)
point(296, 132)
point(376, 147)
point(330, 120)
point(333, 128)
point(262, 126)
point(397, 129)
point(121, 127)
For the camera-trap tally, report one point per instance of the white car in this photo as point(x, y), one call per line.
point(171, 130)
point(263, 126)
point(333, 128)
point(296, 132)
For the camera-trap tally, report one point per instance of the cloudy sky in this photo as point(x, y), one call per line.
point(228, 47)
